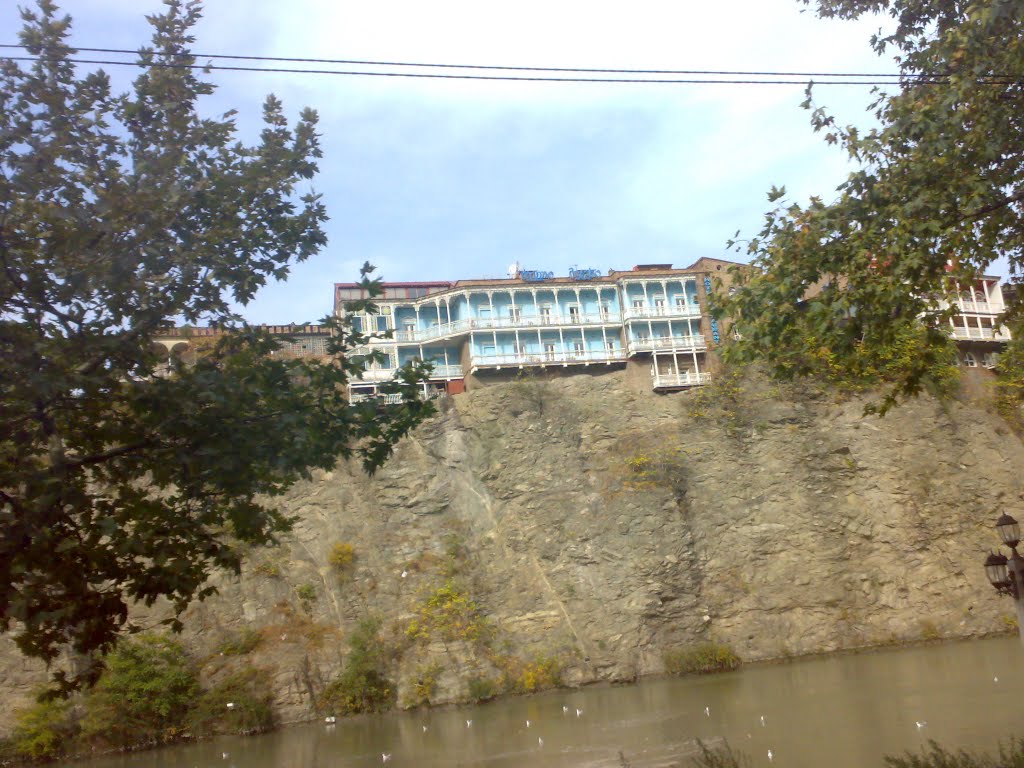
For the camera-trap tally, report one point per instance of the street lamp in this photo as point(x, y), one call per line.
point(1007, 574)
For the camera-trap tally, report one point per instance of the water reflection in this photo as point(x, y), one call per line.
point(845, 712)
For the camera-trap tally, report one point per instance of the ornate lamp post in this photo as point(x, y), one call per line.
point(1007, 575)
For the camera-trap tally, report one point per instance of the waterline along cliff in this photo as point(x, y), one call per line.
point(581, 526)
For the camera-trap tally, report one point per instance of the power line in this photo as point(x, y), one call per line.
point(368, 63)
point(438, 75)
point(695, 76)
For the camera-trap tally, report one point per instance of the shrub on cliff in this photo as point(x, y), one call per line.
point(43, 731)
point(701, 659)
point(143, 696)
point(362, 685)
point(241, 703)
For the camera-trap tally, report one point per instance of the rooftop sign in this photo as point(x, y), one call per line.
point(584, 274)
point(535, 276)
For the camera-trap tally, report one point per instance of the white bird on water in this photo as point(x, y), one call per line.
point(330, 719)
point(769, 755)
point(540, 742)
point(920, 724)
point(579, 712)
point(469, 723)
point(565, 709)
point(707, 711)
point(762, 721)
point(224, 755)
point(424, 729)
point(527, 723)
point(385, 756)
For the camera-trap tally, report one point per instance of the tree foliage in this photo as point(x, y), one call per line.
point(937, 197)
point(119, 215)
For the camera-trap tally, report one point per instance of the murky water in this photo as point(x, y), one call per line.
point(842, 712)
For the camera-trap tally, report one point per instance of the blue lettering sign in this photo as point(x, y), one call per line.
point(714, 323)
point(584, 274)
point(535, 276)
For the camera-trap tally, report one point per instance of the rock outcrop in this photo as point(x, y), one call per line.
point(593, 522)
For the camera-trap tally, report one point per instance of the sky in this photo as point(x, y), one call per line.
point(449, 179)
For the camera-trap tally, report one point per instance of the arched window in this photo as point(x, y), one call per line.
point(969, 360)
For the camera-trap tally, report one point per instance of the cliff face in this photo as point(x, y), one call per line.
point(596, 523)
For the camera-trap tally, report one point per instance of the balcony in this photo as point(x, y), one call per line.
point(675, 380)
point(457, 327)
point(439, 371)
point(980, 334)
point(676, 310)
point(556, 357)
point(667, 342)
point(981, 307)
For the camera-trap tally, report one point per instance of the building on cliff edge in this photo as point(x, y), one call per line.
point(652, 316)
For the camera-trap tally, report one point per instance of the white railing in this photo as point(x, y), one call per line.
point(983, 334)
point(457, 327)
point(438, 372)
point(390, 399)
point(676, 310)
point(688, 379)
point(557, 357)
point(981, 307)
point(668, 342)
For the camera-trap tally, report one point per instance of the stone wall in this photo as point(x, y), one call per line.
point(598, 523)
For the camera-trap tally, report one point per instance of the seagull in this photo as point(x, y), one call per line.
point(762, 721)
point(424, 729)
point(565, 709)
point(527, 723)
point(469, 723)
point(707, 711)
point(385, 756)
point(330, 719)
point(579, 712)
point(995, 679)
point(920, 724)
point(540, 742)
point(769, 755)
point(224, 755)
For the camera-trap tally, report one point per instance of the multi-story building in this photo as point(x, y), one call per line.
point(652, 315)
point(976, 326)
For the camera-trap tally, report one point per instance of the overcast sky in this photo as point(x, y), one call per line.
point(445, 179)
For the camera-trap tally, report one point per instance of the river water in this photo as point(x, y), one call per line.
point(840, 712)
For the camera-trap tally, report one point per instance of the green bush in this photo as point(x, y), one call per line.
point(43, 731)
point(482, 689)
point(342, 558)
point(251, 711)
point(244, 642)
point(721, 756)
point(362, 685)
point(143, 696)
point(701, 659)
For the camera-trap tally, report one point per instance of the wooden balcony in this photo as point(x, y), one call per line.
point(555, 357)
point(680, 380)
point(680, 343)
point(668, 311)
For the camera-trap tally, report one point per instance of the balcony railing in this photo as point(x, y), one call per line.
point(457, 327)
point(669, 310)
point(667, 342)
point(556, 357)
point(981, 307)
point(687, 379)
point(439, 372)
point(981, 334)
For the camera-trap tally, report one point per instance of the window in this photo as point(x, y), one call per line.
point(382, 323)
point(659, 301)
point(605, 311)
point(514, 314)
point(545, 312)
point(577, 349)
point(969, 360)
point(638, 303)
point(409, 326)
point(549, 351)
point(574, 313)
point(520, 348)
point(610, 345)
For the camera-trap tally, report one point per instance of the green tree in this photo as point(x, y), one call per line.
point(938, 195)
point(119, 215)
point(145, 694)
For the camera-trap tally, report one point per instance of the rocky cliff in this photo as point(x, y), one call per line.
point(589, 521)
